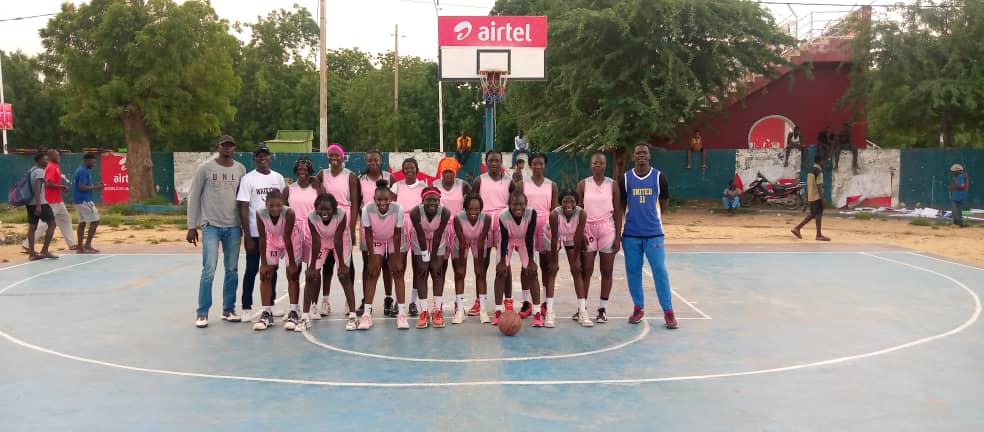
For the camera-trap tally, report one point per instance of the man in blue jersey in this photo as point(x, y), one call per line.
point(645, 192)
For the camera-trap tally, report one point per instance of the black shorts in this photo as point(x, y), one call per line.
point(816, 207)
point(46, 214)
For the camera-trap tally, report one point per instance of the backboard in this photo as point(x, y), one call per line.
point(514, 44)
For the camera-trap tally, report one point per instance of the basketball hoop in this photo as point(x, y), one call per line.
point(493, 84)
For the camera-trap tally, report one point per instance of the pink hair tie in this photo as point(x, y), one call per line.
point(337, 148)
point(431, 192)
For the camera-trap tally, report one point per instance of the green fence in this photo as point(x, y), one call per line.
point(925, 176)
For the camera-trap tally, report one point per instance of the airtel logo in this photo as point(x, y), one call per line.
point(491, 32)
point(463, 29)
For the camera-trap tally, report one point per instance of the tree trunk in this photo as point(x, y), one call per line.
point(139, 166)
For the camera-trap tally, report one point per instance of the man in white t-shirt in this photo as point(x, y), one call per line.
point(251, 197)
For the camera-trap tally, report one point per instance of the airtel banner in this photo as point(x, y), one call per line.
point(115, 177)
point(6, 116)
point(499, 31)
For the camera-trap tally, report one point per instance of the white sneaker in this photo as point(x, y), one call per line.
point(314, 314)
point(246, 316)
point(585, 321)
point(351, 324)
point(459, 317)
point(201, 321)
point(401, 321)
point(551, 320)
point(265, 321)
point(365, 323)
point(483, 317)
point(325, 308)
point(290, 324)
point(230, 316)
point(303, 324)
point(279, 312)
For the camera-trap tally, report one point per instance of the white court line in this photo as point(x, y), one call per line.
point(19, 265)
point(970, 321)
point(52, 271)
point(946, 261)
point(639, 337)
point(610, 319)
point(687, 302)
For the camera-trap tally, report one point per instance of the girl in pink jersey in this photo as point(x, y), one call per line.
point(383, 221)
point(275, 224)
point(367, 189)
point(471, 229)
point(344, 186)
point(494, 188)
point(330, 238)
point(453, 189)
point(431, 249)
point(300, 197)
point(408, 196)
point(566, 231)
point(602, 202)
point(517, 226)
point(541, 194)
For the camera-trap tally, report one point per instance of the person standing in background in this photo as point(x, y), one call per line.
point(251, 198)
point(814, 198)
point(825, 140)
point(82, 188)
point(53, 195)
point(697, 145)
point(958, 193)
point(794, 141)
point(39, 211)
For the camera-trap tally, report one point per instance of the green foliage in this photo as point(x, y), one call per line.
point(918, 74)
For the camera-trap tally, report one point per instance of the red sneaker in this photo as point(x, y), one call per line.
point(508, 303)
point(526, 310)
point(423, 321)
point(437, 319)
point(671, 322)
point(637, 315)
point(537, 320)
point(476, 308)
point(495, 318)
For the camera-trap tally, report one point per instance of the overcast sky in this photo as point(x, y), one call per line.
point(365, 24)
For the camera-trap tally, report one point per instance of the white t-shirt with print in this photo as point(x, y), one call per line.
point(254, 188)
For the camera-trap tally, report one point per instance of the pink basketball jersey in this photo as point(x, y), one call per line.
point(516, 231)
point(302, 201)
point(495, 194)
point(598, 200)
point(470, 232)
point(368, 187)
point(453, 199)
point(539, 198)
point(408, 196)
point(430, 226)
point(567, 228)
point(383, 225)
point(274, 230)
point(338, 186)
point(327, 231)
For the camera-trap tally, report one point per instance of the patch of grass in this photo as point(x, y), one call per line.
point(113, 220)
point(164, 240)
point(13, 215)
point(155, 200)
point(935, 227)
point(864, 216)
point(907, 233)
point(920, 221)
point(153, 242)
point(122, 209)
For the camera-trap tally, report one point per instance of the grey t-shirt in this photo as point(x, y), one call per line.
point(212, 199)
point(38, 174)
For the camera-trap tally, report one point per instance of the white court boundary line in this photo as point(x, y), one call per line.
point(52, 271)
point(639, 337)
point(673, 292)
point(946, 261)
point(970, 321)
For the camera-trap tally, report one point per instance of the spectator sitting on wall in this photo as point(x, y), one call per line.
point(794, 141)
point(731, 197)
point(958, 193)
point(464, 148)
point(824, 141)
point(522, 145)
point(697, 145)
point(844, 144)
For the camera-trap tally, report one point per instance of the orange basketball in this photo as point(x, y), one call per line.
point(510, 323)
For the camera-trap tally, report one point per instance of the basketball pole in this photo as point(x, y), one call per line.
point(440, 92)
point(323, 71)
point(396, 85)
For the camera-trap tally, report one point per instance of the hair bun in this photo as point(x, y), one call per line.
point(382, 183)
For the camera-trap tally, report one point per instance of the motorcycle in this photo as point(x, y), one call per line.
point(787, 196)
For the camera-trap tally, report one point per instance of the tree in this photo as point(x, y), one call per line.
point(620, 71)
point(36, 106)
point(146, 67)
point(917, 72)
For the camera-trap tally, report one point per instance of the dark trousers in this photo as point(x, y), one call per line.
point(249, 278)
point(838, 148)
point(957, 208)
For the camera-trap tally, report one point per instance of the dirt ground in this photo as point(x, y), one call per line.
point(686, 226)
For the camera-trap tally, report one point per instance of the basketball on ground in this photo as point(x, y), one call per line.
point(510, 323)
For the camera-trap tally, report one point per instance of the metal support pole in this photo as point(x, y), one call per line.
point(2, 104)
point(323, 70)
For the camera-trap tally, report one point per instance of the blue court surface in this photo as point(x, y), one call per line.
point(867, 339)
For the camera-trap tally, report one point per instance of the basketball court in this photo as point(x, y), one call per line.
point(838, 339)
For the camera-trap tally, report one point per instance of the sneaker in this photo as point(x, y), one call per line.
point(201, 321)
point(230, 315)
point(508, 303)
point(476, 308)
point(313, 313)
point(483, 317)
point(585, 321)
point(437, 319)
point(362, 307)
point(352, 323)
point(823, 238)
point(413, 310)
point(538, 320)
point(389, 308)
point(291, 322)
point(402, 322)
point(303, 324)
point(576, 316)
point(279, 312)
point(550, 321)
point(265, 321)
point(424, 320)
point(671, 322)
point(365, 322)
point(459, 317)
point(526, 310)
point(247, 316)
point(495, 318)
point(602, 316)
point(325, 308)
point(637, 315)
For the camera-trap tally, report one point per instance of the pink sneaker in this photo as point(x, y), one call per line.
point(538, 320)
point(495, 318)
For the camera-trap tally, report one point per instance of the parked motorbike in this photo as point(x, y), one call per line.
point(788, 196)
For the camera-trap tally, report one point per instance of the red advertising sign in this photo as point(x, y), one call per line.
point(499, 31)
point(6, 116)
point(114, 176)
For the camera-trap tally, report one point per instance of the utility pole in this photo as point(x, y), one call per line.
point(440, 93)
point(396, 85)
point(323, 69)
point(2, 105)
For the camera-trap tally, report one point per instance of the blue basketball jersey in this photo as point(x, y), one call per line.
point(642, 204)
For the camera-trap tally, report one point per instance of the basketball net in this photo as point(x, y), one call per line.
point(493, 85)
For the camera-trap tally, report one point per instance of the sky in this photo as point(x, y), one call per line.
point(364, 24)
